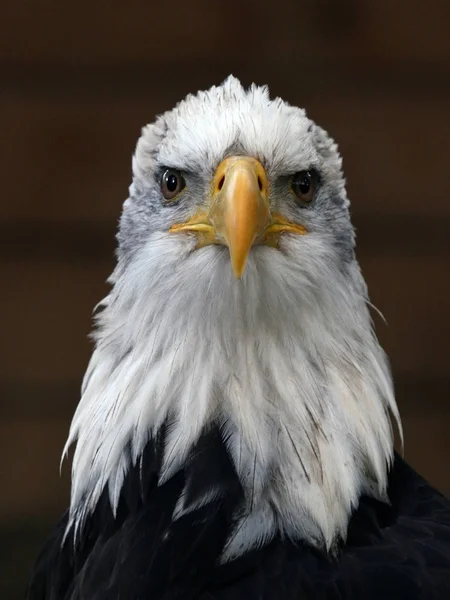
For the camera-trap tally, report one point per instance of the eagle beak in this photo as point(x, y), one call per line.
point(240, 210)
point(239, 214)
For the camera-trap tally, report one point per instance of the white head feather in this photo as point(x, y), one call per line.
point(285, 358)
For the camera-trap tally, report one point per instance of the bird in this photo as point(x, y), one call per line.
point(235, 433)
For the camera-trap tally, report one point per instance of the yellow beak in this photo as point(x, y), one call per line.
point(239, 214)
point(240, 211)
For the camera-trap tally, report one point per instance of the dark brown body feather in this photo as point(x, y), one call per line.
point(399, 551)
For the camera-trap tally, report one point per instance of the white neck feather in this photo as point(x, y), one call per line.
point(285, 358)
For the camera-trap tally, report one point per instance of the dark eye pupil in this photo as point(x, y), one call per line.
point(171, 182)
point(304, 184)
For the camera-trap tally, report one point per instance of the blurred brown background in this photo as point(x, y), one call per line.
point(79, 79)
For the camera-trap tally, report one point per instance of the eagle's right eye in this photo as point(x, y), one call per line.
point(172, 183)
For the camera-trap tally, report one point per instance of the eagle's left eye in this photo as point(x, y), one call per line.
point(172, 182)
point(304, 185)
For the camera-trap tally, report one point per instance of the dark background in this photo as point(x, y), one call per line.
point(77, 82)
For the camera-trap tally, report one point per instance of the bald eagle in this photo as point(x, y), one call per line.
point(234, 436)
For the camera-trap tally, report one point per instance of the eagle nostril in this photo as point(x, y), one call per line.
point(221, 182)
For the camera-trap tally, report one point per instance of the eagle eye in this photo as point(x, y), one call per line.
point(304, 184)
point(172, 183)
